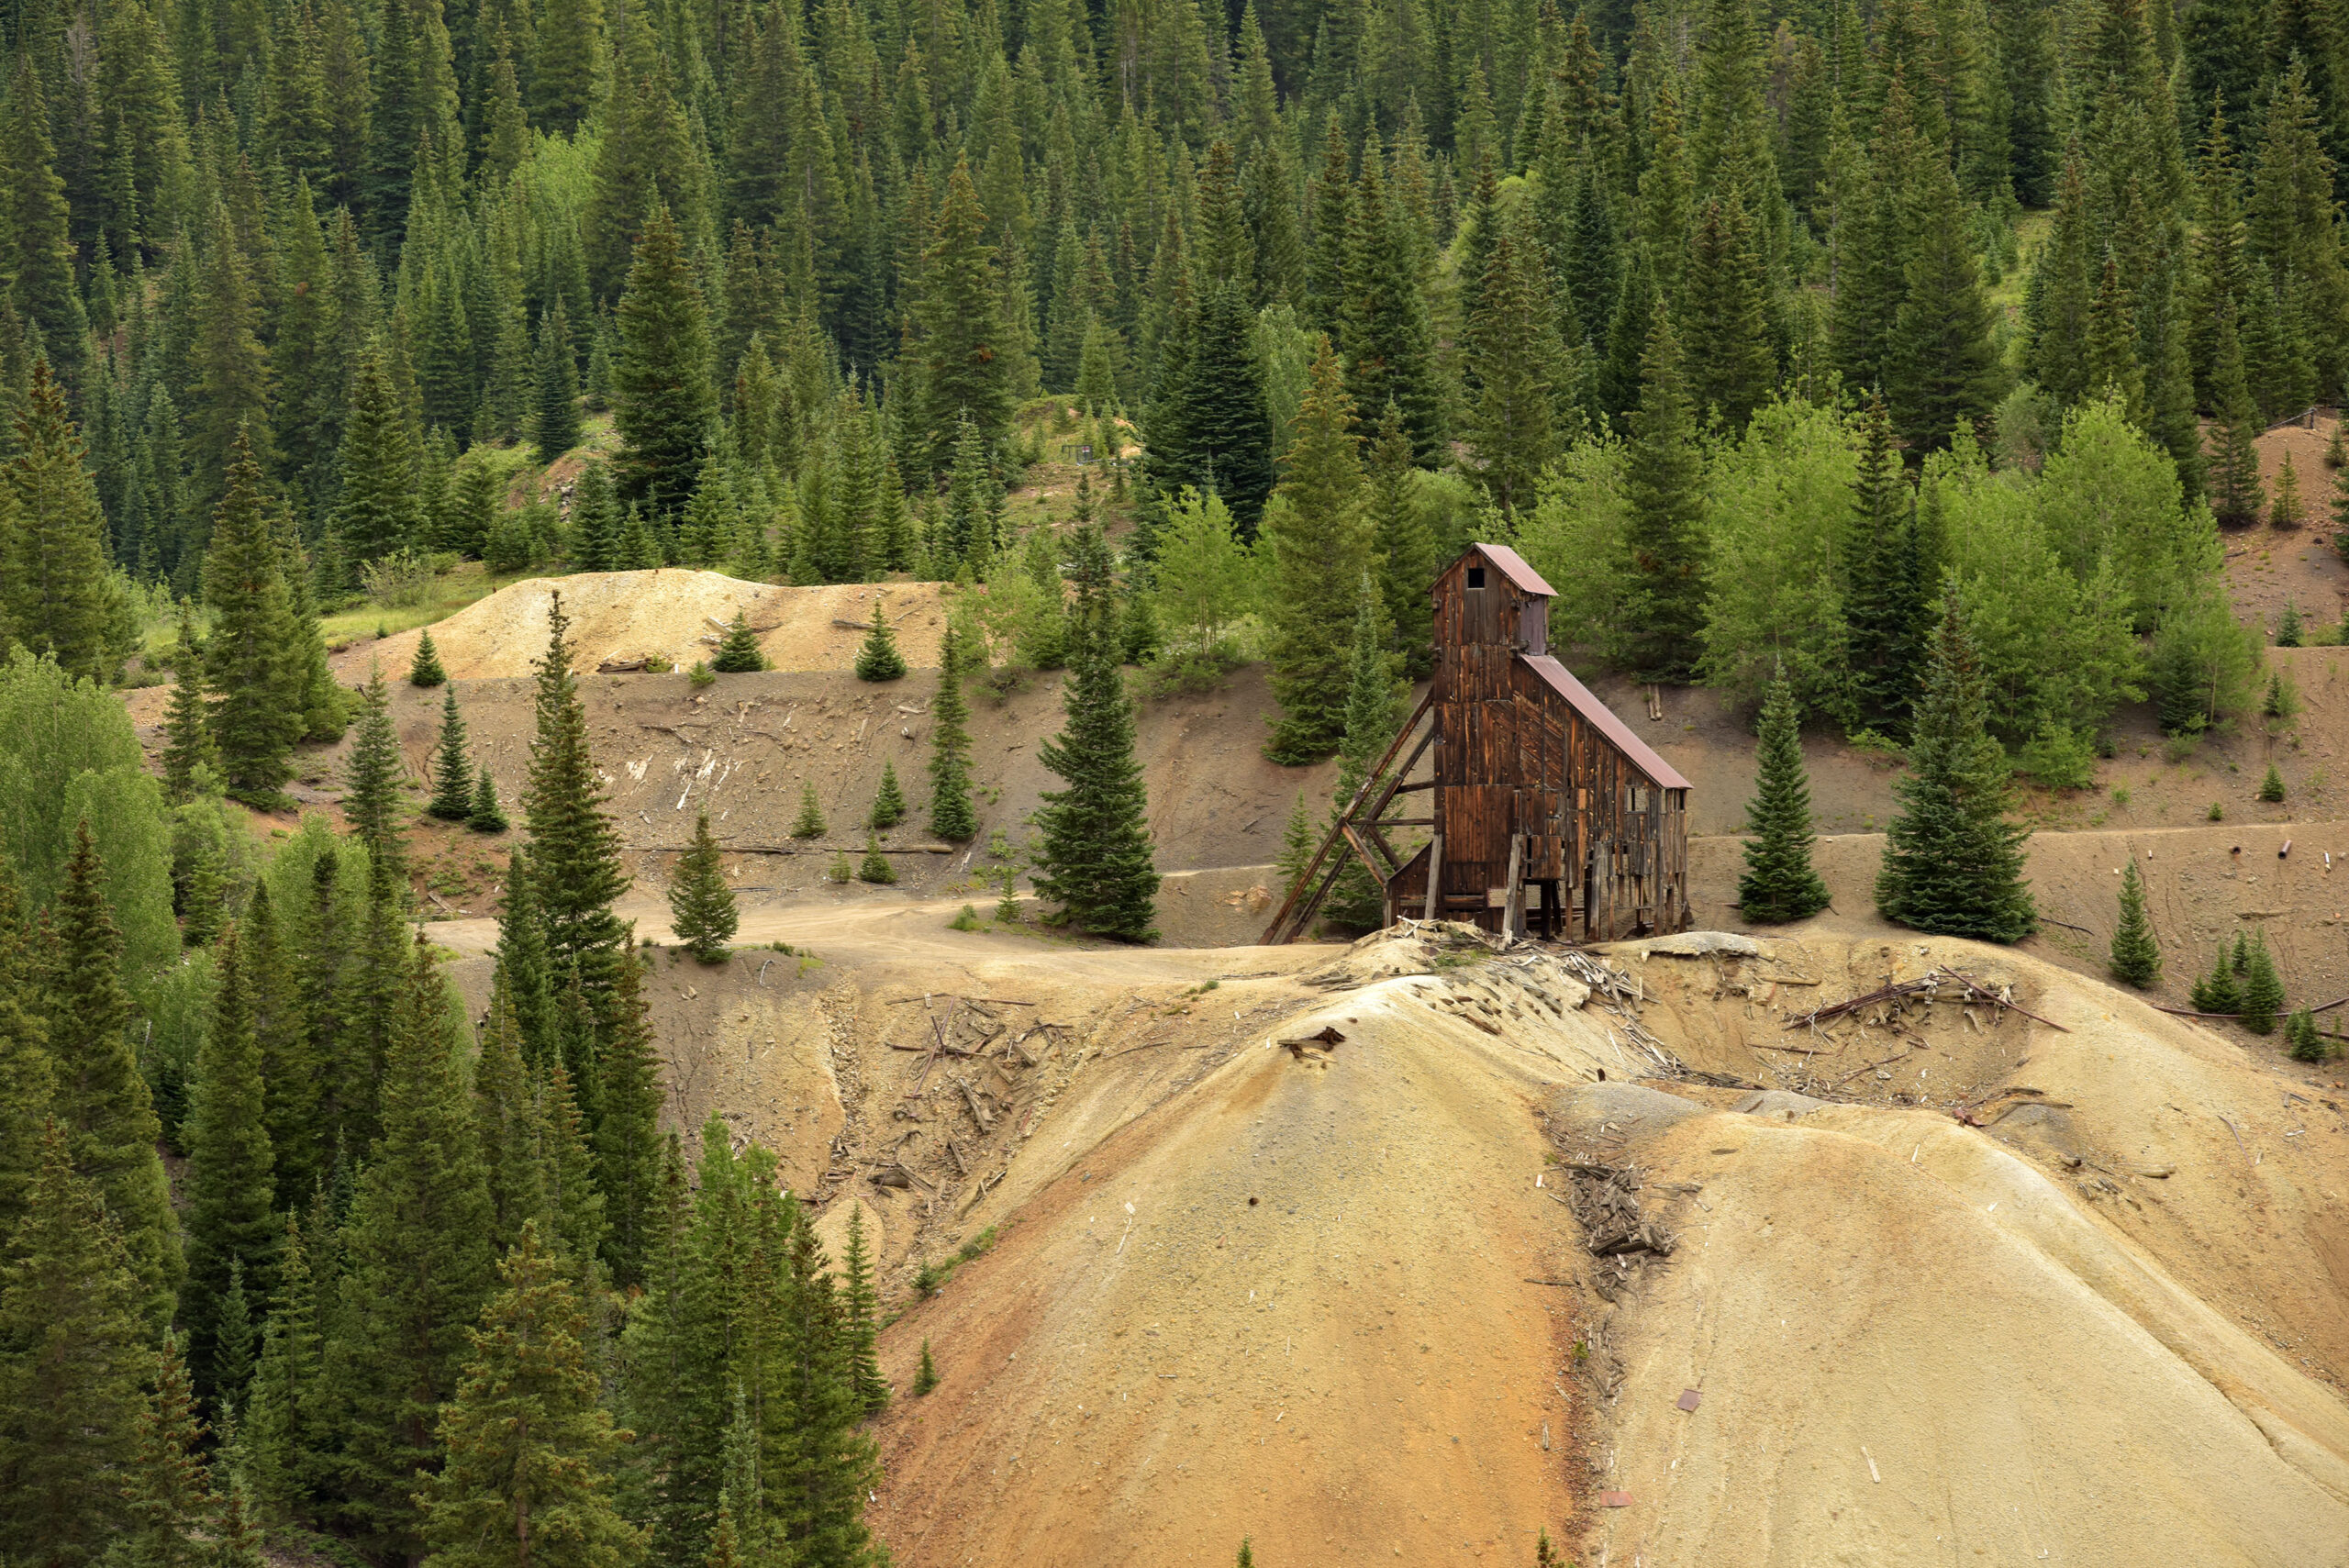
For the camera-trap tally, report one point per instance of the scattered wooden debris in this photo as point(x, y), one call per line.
point(1928, 985)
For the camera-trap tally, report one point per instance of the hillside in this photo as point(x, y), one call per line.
point(1232, 1285)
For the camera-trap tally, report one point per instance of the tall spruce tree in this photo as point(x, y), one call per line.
point(662, 402)
point(530, 1443)
point(1094, 860)
point(375, 781)
point(951, 814)
point(70, 1360)
point(575, 849)
point(1663, 481)
point(188, 723)
point(252, 666)
point(230, 1188)
point(453, 766)
point(627, 1130)
point(963, 368)
point(1315, 536)
point(1883, 599)
point(416, 1270)
point(1778, 883)
point(1952, 862)
point(555, 426)
point(99, 1096)
point(701, 906)
point(380, 509)
point(56, 599)
point(1358, 899)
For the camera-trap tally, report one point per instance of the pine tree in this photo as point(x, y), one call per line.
point(418, 1268)
point(888, 801)
point(169, 1487)
point(230, 1188)
point(1096, 857)
point(2263, 991)
point(962, 363)
point(2301, 1041)
point(380, 511)
point(70, 1363)
point(374, 782)
point(425, 669)
point(575, 849)
point(661, 398)
point(809, 823)
point(1779, 884)
point(738, 652)
point(1358, 899)
point(250, 665)
point(1941, 366)
point(1734, 367)
point(628, 1131)
point(861, 1318)
point(530, 1443)
point(2137, 956)
point(1403, 545)
point(483, 813)
point(1385, 331)
point(2271, 787)
point(2220, 991)
point(1513, 355)
point(875, 866)
point(26, 1079)
point(1315, 536)
point(101, 1100)
point(1883, 603)
point(1299, 839)
point(2237, 496)
point(701, 906)
point(56, 599)
point(453, 767)
point(878, 658)
point(951, 814)
point(1662, 480)
point(512, 1128)
point(555, 427)
point(187, 724)
point(1953, 862)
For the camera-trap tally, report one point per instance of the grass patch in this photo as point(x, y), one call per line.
point(466, 583)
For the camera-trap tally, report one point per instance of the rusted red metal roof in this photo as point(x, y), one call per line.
point(1513, 566)
point(1643, 755)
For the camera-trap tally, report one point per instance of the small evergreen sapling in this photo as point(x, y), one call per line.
point(890, 803)
point(840, 871)
point(926, 1376)
point(2219, 991)
point(486, 815)
point(2263, 991)
point(701, 906)
point(809, 823)
point(425, 669)
point(875, 866)
point(2271, 788)
point(2302, 1038)
point(1779, 884)
point(453, 767)
point(2287, 626)
point(738, 653)
point(2137, 956)
point(2286, 511)
point(878, 658)
point(1298, 840)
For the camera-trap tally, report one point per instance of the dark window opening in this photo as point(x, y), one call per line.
point(1475, 577)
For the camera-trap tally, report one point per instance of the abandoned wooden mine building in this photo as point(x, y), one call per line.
point(1546, 814)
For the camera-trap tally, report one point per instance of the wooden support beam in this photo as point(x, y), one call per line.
point(1435, 877)
point(1296, 910)
point(1513, 902)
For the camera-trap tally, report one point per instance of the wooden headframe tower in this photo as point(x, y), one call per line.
point(1547, 815)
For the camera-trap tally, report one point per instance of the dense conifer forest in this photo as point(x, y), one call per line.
point(1900, 359)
